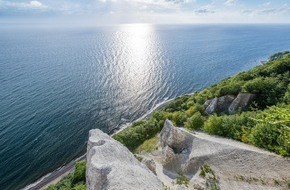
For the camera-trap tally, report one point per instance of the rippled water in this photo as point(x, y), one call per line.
point(57, 84)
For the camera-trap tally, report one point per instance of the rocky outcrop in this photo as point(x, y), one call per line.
point(176, 146)
point(111, 166)
point(210, 162)
point(229, 104)
point(241, 103)
point(220, 105)
point(174, 138)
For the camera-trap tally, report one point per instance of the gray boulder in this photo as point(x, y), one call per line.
point(111, 166)
point(241, 103)
point(179, 141)
point(224, 103)
point(211, 108)
point(207, 103)
point(219, 105)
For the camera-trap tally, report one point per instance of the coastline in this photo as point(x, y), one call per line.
point(55, 176)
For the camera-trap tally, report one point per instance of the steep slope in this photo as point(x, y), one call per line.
point(231, 164)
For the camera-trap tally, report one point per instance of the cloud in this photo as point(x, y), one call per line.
point(275, 11)
point(231, 2)
point(150, 11)
point(22, 5)
point(247, 11)
point(267, 4)
point(204, 11)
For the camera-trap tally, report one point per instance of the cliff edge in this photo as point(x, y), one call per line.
point(111, 166)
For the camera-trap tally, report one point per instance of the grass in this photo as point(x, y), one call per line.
point(149, 145)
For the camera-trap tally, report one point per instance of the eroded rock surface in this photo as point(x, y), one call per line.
point(231, 164)
point(241, 103)
point(111, 166)
point(229, 104)
point(172, 137)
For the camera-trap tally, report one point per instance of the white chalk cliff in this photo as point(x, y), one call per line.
point(111, 166)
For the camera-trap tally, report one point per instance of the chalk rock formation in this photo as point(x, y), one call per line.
point(150, 163)
point(220, 105)
point(177, 140)
point(176, 146)
point(242, 102)
point(111, 166)
point(229, 104)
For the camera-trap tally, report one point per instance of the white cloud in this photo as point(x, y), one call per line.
point(204, 11)
point(36, 4)
point(231, 2)
point(23, 5)
point(267, 4)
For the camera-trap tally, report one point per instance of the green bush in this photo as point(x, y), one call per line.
point(79, 176)
point(178, 118)
point(195, 122)
point(80, 187)
point(269, 89)
point(213, 125)
point(272, 130)
point(278, 55)
point(195, 108)
point(287, 95)
point(137, 133)
point(74, 181)
point(64, 184)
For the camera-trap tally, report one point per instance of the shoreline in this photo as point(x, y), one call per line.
point(55, 176)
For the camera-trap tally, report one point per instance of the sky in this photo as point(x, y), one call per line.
point(99, 12)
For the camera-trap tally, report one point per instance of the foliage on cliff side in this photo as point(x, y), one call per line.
point(265, 125)
point(74, 181)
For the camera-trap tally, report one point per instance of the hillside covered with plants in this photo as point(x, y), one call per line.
point(266, 124)
point(73, 181)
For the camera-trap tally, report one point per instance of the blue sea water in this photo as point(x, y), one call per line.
point(58, 83)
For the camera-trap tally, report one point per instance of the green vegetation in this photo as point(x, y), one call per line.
point(207, 173)
point(181, 180)
point(165, 187)
point(74, 181)
point(265, 124)
point(149, 145)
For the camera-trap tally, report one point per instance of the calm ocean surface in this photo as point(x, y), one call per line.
point(58, 83)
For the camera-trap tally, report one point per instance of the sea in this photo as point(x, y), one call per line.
point(57, 83)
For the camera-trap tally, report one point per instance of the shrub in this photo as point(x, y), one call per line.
point(178, 118)
point(137, 133)
point(213, 125)
point(63, 184)
point(73, 181)
point(232, 87)
point(194, 122)
point(287, 95)
point(80, 187)
point(270, 90)
point(272, 130)
point(79, 176)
